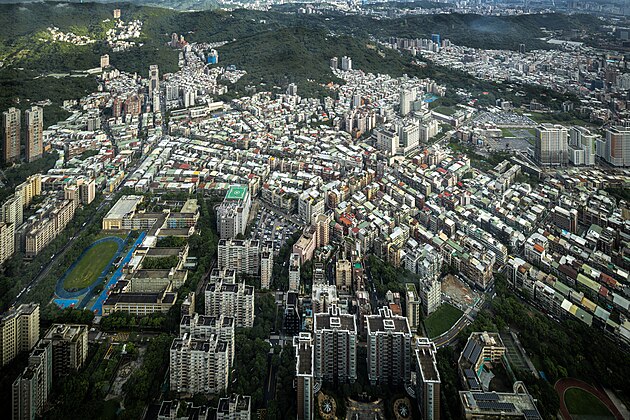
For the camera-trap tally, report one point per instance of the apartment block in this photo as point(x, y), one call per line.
point(551, 147)
point(34, 133)
point(231, 299)
point(412, 306)
point(69, 347)
point(7, 241)
point(11, 132)
point(389, 348)
point(428, 382)
point(305, 371)
point(31, 389)
point(241, 255)
point(203, 327)
point(199, 366)
point(233, 213)
point(234, 407)
point(19, 331)
point(343, 274)
point(335, 346)
point(294, 272)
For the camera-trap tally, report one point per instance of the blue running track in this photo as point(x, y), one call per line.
point(64, 294)
point(97, 308)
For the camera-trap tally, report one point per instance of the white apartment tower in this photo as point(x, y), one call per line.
point(335, 346)
point(34, 133)
point(225, 297)
point(552, 147)
point(389, 348)
point(199, 366)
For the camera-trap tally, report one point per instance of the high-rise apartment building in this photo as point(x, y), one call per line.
point(199, 366)
point(407, 98)
point(389, 348)
point(202, 327)
point(552, 147)
point(34, 133)
point(19, 331)
point(430, 292)
point(387, 140)
point(30, 188)
point(240, 255)
point(30, 390)
point(11, 133)
point(582, 146)
point(234, 407)
point(335, 346)
point(266, 267)
point(7, 241)
point(310, 204)
point(304, 371)
point(104, 61)
point(13, 210)
point(87, 191)
point(233, 213)
point(294, 272)
point(617, 147)
point(346, 63)
point(412, 304)
point(226, 297)
point(69, 346)
point(154, 80)
point(343, 274)
point(428, 381)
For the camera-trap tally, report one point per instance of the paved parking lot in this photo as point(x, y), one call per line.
point(271, 227)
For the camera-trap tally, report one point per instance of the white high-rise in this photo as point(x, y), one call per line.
point(617, 147)
point(582, 146)
point(199, 366)
point(552, 146)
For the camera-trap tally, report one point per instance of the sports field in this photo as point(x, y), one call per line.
point(582, 403)
point(91, 265)
point(442, 320)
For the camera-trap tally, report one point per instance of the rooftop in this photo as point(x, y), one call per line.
point(236, 192)
point(125, 205)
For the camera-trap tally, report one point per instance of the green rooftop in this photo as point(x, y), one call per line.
point(236, 192)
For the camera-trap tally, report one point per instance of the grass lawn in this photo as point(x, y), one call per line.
point(444, 110)
point(582, 403)
point(507, 133)
point(91, 265)
point(441, 320)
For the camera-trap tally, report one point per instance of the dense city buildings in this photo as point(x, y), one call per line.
point(308, 230)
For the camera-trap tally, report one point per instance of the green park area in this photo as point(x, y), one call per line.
point(91, 265)
point(445, 110)
point(582, 403)
point(442, 320)
point(507, 133)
